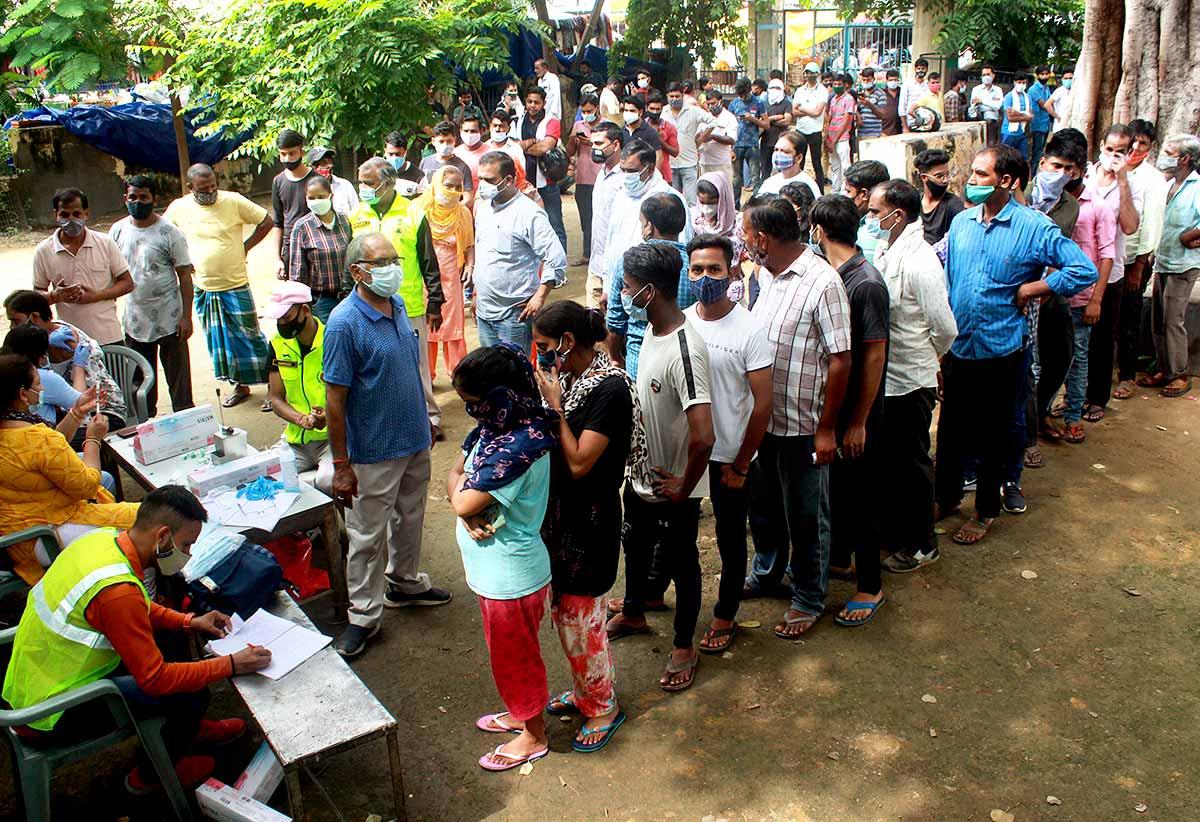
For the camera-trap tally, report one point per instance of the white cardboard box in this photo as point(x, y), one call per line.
point(233, 474)
point(168, 436)
point(262, 776)
point(225, 804)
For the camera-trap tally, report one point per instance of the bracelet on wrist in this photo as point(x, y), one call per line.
point(341, 460)
point(737, 470)
point(91, 439)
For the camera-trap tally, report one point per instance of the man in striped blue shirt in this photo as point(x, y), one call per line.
point(996, 256)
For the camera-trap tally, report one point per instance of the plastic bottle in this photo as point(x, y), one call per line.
point(288, 474)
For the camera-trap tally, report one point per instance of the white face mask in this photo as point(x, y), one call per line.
point(319, 207)
point(774, 95)
point(1018, 87)
point(630, 117)
point(499, 136)
point(988, 79)
point(643, 82)
point(444, 149)
point(709, 210)
point(471, 138)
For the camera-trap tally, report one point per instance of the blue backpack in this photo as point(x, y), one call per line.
point(243, 582)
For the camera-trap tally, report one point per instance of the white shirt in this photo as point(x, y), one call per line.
point(605, 188)
point(775, 183)
point(1110, 195)
point(1021, 104)
point(688, 122)
point(345, 196)
point(1154, 188)
point(1061, 101)
point(910, 93)
point(624, 224)
point(719, 154)
point(737, 344)
point(808, 97)
point(989, 99)
point(922, 327)
point(548, 83)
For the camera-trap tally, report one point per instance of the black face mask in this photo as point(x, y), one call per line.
point(654, 116)
point(292, 165)
point(936, 189)
point(1075, 186)
point(598, 157)
point(289, 331)
point(139, 210)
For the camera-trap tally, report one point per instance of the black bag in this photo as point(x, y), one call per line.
point(243, 582)
point(553, 164)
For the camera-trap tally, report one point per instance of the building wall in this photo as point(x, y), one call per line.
point(962, 141)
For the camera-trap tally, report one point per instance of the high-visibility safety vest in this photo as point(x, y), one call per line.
point(302, 383)
point(56, 650)
point(401, 224)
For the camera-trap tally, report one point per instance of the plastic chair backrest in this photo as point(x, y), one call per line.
point(125, 366)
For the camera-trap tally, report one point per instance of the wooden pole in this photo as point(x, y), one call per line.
point(589, 29)
point(181, 146)
point(548, 55)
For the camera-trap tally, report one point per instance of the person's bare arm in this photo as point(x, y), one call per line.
point(1191, 238)
point(279, 404)
point(260, 231)
point(1091, 311)
point(539, 147)
point(854, 441)
point(762, 392)
point(825, 440)
point(616, 348)
point(1127, 215)
point(186, 292)
point(345, 482)
point(122, 284)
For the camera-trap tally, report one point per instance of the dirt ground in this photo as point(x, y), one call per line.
point(974, 690)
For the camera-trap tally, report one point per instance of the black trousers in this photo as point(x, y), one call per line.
point(1129, 332)
point(814, 142)
point(730, 509)
point(1103, 346)
point(979, 398)
point(583, 201)
point(908, 467)
point(851, 482)
point(1056, 347)
point(669, 529)
point(176, 365)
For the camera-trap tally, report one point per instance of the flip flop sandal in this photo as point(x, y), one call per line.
point(1059, 410)
point(809, 619)
point(1075, 433)
point(1176, 392)
point(673, 669)
point(487, 764)
point(566, 699)
point(617, 606)
point(713, 634)
point(1093, 413)
point(625, 630)
point(608, 731)
point(1155, 381)
point(1050, 432)
point(234, 399)
point(1124, 390)
point(266, 407)
point(1034, 458)
point(853, 606)
point(490, 724)
point(958, 537)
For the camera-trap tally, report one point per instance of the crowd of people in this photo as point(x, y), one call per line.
point(744, 336)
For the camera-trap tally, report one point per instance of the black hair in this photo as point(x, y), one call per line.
point(701, 82)
point(27, 340)
point(640, 149)
point(396, 139)
point(1143, 128)
point(775, 74)
point(494, 366)
point(987, 67)
point(1008, 161)
point(27, 301)
point(320, 182)
point(843, 78)
point(1068, 144)
point(959, 76)
point(920, 61)
point(586, 324)
point(1120, 130)
point(657, 264)
point(67, 195)
point(171, 505)
point(472, 117)
point(867, 70)
point(615, 80)
point(503, 160)
point(674, 87)
point(290, 138)
point(707, 188)
point(797, 141)
point(935, 75)
point(16, 373)
point(445, 127)
point(773, 216)
point(610, 130)
point(141, 181)
point(837, 216)
point(893, 73)
point(636, 101)
point(465, 91)
point(758, 81)
point(866, 174)
point(655, 97)
point(929, 158)
point(714, 94)
point(666, 213)
point(501, 115)
point(701, 241)
point(536, 90)
point(802, 198)
point(1022, 77)
point(903, 195)
point(643, 70)
point(1042, 70)
point(589, 100)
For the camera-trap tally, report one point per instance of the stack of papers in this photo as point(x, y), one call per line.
point(226, 508)
point(289, 643)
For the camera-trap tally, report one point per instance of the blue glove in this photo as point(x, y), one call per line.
point(61, 337)
point(82, 352)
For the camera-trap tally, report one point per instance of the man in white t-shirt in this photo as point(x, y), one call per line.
point(1059, 104)
point(662, 498)
point(986, 100)
point(548, 82)
point(808, 107)
point(739, 375)
point(716, 145)
point(691, 123)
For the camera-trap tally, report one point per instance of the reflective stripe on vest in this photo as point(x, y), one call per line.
point(302, 384)
point(401, 223)
point(56, 620)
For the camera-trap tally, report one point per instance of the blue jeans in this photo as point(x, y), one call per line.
point(684, 181)
point(746, 157)
point(322, 306)
point(506, 329)
point(552, 199)
point(1077, 373)
point(789, 520)
point(1017, 141)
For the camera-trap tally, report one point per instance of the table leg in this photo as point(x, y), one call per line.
point(398, 806)
point(331, 535)
point(292, 777)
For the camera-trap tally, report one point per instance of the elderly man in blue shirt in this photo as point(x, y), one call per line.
point(380, 436)
point(997, 253)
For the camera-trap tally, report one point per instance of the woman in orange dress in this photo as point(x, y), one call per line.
point(453, 230)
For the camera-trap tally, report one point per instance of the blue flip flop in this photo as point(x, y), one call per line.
point(608, 731)
point(565, 698)
point(859, 606)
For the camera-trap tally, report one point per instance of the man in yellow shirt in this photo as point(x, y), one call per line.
point(213, 222)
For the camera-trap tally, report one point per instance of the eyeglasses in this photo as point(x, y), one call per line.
point(381, 261)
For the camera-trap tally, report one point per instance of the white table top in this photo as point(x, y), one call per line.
point(321, 704)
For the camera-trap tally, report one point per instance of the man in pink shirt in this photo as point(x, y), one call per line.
point(839, 123)
point(474, 143)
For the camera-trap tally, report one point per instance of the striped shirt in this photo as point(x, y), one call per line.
point(869, 124)
point(987, 263)
point(317, 254)
point(807, 316)
point(841, 115)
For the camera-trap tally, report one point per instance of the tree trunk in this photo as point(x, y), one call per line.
point(547, 46)
point(1139, 60)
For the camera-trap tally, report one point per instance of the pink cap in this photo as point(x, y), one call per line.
point(286, 295)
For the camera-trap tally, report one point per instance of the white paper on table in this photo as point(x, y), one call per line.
point(227, 509)
point(289, 643)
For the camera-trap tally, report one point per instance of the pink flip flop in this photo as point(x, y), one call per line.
point(513, 761)
point(490, 724)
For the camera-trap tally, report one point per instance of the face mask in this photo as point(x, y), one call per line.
point(449, 198)
point(634, 184)
point(874, 226)
point(39, 397)
point(893, 84)
point(643, 83)
point(814, 242)
point(499, 137)
point(328, 172)
point(631, 117)
point(589, 118)
point(977, 194)
point(1067, 84)
point(839, 90)
point(385, 279)
point(935, 188)
point(709, 290)
point(654, 116)
point(1166, 163)
point(291, 165)
point(1048, 186)
point(676, 103)
point(488, 191)
point(1018, 87)
point(598, 157)
point(289, 331)
point(444, 149)
point(774, 95)
point(1074, 186)
point(1107, 161)
point(471, 138)
point(552, 358)
point(1136, 157)
point(169, 559)
point(782, 161)
point(636, 313)
point(920, 73)
point(140, 210)
point(988, 79)
point(319, 207)
point(71, 228)
point(935, 87)
point(367, 194)
point(709, 210)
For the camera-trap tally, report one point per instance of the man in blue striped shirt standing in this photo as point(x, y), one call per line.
point(997, 254)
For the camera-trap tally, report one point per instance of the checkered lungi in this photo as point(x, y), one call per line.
point(238, 349)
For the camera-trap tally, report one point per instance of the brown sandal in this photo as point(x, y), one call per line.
point(1074, 433)
point(688, 668)
point(1176, 392)
point(1124, 390)
point(1158, 380)
point(972, 532)
point(718, 640)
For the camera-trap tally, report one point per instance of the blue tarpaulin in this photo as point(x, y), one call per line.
point(139, 133)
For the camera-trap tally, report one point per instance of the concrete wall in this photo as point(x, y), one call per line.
point(962, 141)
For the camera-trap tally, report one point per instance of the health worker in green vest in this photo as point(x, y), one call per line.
point(90, 618)
point(381, 210)
point(295, 382)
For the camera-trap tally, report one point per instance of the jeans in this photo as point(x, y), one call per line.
point(1167, 315)
point(1039, 144)
point(506, 329)
point(1056, 344)
point(852, 482)
point(1077, 373)
point(669, 530)
point(1019, 141)
point(908, 504)
point(730, 508)
point(323, 306)
point(172, 352)
point(789, 520)
point(1103, 347)
point(1129, 331)
point(814, 142)
point(552, 200)
point(583, 201)
point(746, 157)
point(1022, 433)
point(684, 180)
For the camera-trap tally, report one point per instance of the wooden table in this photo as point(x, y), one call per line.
point(319, 708)
point(311, 510)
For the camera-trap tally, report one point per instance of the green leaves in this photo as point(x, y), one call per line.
point(695, 25)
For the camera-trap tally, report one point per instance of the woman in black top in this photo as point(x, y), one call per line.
point(599, 418)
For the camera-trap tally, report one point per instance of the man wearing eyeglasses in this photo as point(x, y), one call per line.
point(938, 205)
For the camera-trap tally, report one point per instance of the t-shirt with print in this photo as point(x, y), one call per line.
point(737, 344)
point(748, 132)
point(713, 153)
point(869, 322)
point(936, 223)
point(153, 309)
point(95, 373)
point(672, 377)
point(214, 234)
point(513, 562)
point(583, 522)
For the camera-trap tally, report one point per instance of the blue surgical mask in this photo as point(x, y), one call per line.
point(874, 226)
point(398, 163)
point(634, 184)
point(367, 194)
point(636, 313)
point(385, 279)
point(781, 160)
point(709, 290)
